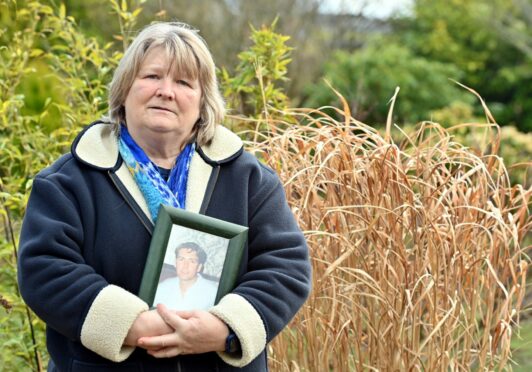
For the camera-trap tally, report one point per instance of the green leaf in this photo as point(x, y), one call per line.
point(36, 52)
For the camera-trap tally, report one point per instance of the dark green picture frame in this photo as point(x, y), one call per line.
point(166, 219)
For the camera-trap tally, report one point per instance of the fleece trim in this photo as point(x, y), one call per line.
point(125, 176)
point(198, 179)
point(248, 326)
point(224, 145)
point(108, 321)
point(97, 145)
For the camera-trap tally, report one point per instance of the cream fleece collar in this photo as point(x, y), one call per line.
point(97, 146)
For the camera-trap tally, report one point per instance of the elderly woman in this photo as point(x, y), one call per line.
point(90, 217)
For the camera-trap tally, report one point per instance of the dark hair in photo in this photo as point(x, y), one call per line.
point(202, 256)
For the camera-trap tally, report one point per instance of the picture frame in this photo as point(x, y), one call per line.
point(181, 236)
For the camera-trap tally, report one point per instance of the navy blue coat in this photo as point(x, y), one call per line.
point(85, 239)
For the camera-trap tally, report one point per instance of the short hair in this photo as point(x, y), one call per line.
point(202, 256)
point(190, 56)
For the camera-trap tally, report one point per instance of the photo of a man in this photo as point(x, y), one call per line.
point(189, 289)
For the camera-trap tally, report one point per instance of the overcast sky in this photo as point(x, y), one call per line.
point(373, 8)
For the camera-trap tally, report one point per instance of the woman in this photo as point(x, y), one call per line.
point(90, 216)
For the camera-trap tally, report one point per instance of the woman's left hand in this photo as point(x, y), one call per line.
point(195, 332)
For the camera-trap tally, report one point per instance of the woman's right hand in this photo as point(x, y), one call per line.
point(148, 323)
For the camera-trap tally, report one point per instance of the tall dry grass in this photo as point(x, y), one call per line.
point(416, 247)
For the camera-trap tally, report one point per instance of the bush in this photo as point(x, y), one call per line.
point(367, 78)
point(32, 137)
point(418, 262)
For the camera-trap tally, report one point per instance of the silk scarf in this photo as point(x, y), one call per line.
point(154, 188)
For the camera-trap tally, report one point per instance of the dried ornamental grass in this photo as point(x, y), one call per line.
point(416, 247)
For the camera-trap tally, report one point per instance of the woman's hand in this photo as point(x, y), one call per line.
point(194, 332)
point(148, 323)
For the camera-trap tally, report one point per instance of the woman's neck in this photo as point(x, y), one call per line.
point(164, 162)
point(162, 151)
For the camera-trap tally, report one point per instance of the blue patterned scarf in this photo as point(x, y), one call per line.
point(156, 191)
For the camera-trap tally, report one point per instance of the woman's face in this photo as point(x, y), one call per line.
point(161, 102)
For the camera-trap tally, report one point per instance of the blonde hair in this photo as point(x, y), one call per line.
point(190, 56)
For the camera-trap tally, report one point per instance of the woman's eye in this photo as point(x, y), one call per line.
point(184, 82)
point(151, 76)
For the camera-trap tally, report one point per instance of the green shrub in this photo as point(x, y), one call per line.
point(52, 82)
point(367, 79)
point(255, 90)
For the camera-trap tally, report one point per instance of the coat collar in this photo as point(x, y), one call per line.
point(97, 147)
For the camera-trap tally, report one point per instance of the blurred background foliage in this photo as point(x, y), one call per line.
point(457, 39)
point(484, 44)
point(57, 57)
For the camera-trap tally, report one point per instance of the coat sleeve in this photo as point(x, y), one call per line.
point(278, 277)
point(58, 285)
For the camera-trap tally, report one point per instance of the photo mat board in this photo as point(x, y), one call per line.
point(222, 242)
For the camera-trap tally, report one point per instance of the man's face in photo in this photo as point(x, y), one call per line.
point(187, 264)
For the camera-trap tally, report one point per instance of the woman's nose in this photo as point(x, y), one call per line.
point(165, 89)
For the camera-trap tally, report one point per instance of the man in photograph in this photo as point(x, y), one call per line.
point(188, 290)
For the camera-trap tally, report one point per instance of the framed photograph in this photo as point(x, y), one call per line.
point(193, 260)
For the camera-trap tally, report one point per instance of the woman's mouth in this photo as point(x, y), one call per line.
point(162, 109)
